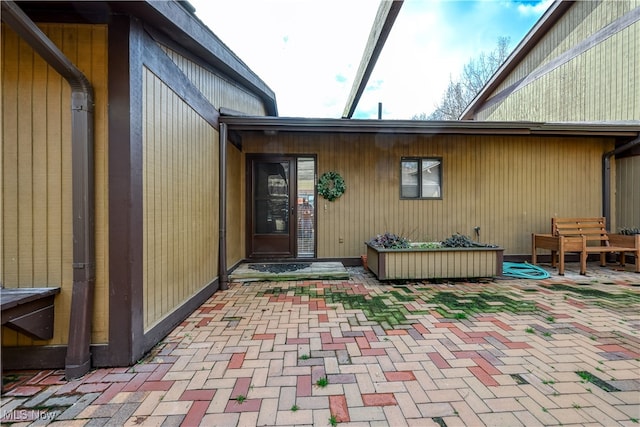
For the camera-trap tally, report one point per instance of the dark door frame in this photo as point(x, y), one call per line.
point(290, 238)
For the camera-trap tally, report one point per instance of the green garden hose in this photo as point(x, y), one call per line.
point(523, 271)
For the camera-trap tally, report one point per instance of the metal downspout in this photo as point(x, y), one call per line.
point(78, 359)
point(606, 177)
point(223, 277)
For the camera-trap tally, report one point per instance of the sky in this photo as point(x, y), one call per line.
point(308, 51)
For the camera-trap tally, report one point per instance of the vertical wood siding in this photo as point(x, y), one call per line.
point(602, 83)
point(236, 216)
point(36, 197)
point(508, 186)
point(220, 91)
point(628, 187)
point(180, 184)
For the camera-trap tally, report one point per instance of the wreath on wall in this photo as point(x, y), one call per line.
point(331, 186)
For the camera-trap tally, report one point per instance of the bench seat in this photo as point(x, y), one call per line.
point(29, 310)
point(584, 236)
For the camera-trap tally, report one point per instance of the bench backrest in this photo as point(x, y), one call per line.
point(593, 229)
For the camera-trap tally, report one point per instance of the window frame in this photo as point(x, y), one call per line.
point(420, 160)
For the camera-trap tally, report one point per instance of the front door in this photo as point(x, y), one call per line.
point(271, 203)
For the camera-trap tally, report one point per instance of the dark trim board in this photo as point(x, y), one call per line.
point(125, 191)
point(162, 66)
point(162, 329)
point(53, 356)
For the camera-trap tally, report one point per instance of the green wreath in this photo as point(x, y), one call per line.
point(331, 186)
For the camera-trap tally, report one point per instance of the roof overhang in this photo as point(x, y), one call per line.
point(294, 124)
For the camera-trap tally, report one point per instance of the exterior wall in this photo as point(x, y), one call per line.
point(628, 192)
point(219, 91)
point(36, 198)
point(509, 186)
point(236, 211)
point(180, 209)
point(598, 83)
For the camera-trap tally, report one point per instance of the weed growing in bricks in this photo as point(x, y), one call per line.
point(333, 420)
point(322, 382)
point(241, 398)
point(294, 408)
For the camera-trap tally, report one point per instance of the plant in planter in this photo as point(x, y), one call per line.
point(393, 257)
point(629, 231)
point(389, 241)
point(460, 241)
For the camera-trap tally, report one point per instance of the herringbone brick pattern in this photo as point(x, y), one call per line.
point(563, 351)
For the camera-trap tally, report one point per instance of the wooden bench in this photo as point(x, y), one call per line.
point(29, 310)
point(585, 236)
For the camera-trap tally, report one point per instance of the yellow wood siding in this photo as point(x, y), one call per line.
point(180, 187)
point(36, 200)
point(602, 83)
point(220, 91)
point(236, 217)
point(628, 187)
point(508, 186)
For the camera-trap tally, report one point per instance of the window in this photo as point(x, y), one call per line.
point(421, 178)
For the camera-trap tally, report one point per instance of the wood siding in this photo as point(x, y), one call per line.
point(599, 83)
point(430, 264)
point(220, 91)
point(236, 217)
point(180, 185)
point(628, 192)
point(509, 186)
point(36, 200)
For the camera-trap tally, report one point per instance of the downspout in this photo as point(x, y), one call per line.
point(223, 277)
point(78, 359)
point(606, 177)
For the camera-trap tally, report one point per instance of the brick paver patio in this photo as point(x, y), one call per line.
point(561, 351)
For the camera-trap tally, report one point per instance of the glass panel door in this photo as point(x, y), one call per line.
point(272, 210)
point(306, 221)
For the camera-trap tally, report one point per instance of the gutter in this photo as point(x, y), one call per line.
point(223, 277)
point(78, 359)
point(606, 176)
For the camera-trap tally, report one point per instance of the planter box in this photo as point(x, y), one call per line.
point(417, 263)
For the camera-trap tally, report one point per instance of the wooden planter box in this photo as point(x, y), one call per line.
point(417, 263)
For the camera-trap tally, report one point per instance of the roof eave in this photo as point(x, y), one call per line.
point(293, 124)
point(191, 33)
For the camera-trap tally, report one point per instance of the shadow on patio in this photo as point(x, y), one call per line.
point(564, 350)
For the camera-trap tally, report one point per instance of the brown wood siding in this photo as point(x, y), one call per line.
point(36, 222)
point(180, 185)
point(628, 192)
point(509, 186)
point(599, 84)
point(218, 90)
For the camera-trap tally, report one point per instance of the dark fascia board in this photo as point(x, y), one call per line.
point(468, 127)
point(175, 19)
point(179, 24)
point(546, 21)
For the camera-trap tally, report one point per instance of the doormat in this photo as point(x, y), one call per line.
point(279, 268)
point(283, 271)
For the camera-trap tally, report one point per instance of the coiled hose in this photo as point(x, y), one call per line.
point(524, 271)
